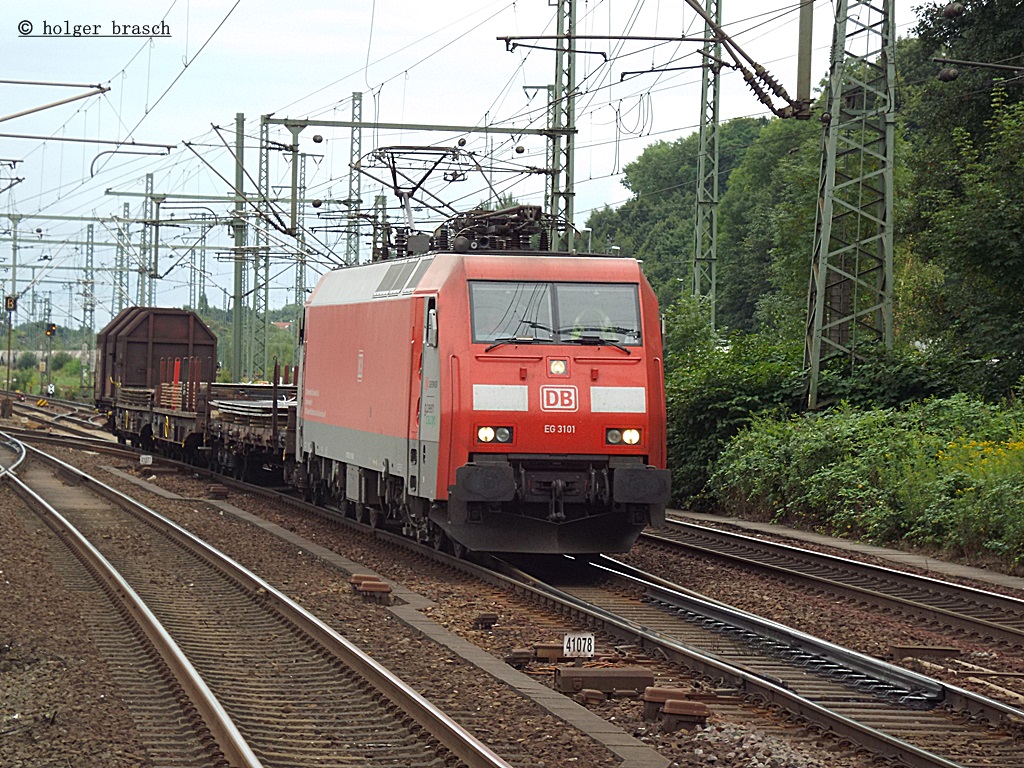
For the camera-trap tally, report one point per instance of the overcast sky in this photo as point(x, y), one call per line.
point(437, 63)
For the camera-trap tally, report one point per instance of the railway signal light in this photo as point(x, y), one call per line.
point(51, 329)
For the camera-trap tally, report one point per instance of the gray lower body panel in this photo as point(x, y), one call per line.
point(506, 532)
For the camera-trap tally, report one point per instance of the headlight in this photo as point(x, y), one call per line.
point(492, 434)
point(620, 436)
point(558, 367)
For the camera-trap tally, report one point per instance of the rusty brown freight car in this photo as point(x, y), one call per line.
point(129, 349)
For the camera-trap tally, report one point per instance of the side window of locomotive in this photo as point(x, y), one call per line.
point(430, 329)
point(509, 310)
point(608, 311)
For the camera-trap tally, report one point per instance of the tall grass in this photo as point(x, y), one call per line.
point(946, 474)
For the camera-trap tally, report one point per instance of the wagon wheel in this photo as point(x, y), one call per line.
point(376, 518)
point(440, 539)
point(458, 549)
point(317, 493)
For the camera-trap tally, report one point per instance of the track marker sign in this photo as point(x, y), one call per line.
point(577, 644)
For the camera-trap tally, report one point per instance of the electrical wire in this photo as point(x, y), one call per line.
point(635, 106)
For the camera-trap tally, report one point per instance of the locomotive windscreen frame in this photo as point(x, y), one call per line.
point(555, 313)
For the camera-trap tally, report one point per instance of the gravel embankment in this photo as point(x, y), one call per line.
point(47, 663)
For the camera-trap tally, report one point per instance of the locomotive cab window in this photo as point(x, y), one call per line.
point(555, 313)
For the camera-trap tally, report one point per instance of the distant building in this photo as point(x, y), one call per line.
point(285, 325)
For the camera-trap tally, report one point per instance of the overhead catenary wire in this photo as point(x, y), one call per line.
point(182, 171)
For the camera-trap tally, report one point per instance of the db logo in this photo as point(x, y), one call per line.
point(558, 399)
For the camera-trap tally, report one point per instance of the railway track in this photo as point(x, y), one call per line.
point(896, 713)
point(70, 418)
point(298, 693)
point(976, 613)
point(905, 717)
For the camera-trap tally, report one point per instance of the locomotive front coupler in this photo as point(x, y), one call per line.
point(556, 507)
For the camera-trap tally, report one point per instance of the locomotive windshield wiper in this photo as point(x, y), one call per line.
point(596, 341)
point(511, 340)
point(592, 334)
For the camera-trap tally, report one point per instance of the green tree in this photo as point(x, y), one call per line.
point(656, 225)
point(960, 247)
point(26, 360)
point(59, 360)
point(766, 225)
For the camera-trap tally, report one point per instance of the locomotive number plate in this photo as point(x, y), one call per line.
point(559, 429)
point(576, 644)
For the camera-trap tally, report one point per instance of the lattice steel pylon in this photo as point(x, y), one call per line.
point(197, 269)
point(89, 303)
point(145, 287)
point(380, 228)
point(301, 252)
point(240, 228)
point(563, 116)
point(705, 228)
point(850, 295)
point(124, 243)
point(301, 255)
point(89, 286)
point(355, 183)
point(256, 364)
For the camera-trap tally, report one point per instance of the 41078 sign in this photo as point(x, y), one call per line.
point(576, 644)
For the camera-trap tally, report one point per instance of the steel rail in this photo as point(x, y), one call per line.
point(17, 447)
point(84, 428)
point(761, 687)
point(74, 441)
point(753, 684)
point(453, 736)
point(962, 700)
point(228, 738)
point(1010, 635)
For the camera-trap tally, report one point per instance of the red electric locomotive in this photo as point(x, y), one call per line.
point(489, 399)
